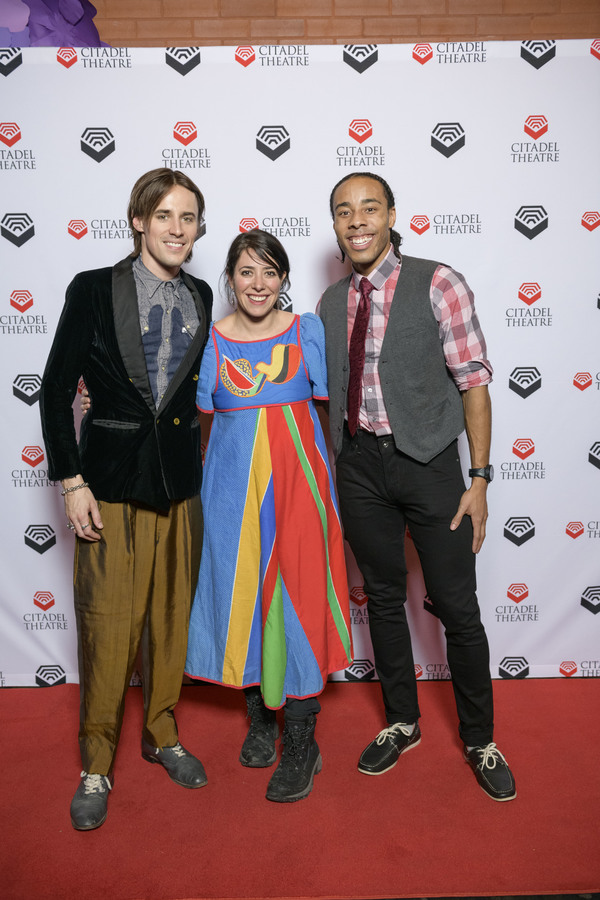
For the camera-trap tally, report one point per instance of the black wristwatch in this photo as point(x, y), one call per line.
point(487, 472)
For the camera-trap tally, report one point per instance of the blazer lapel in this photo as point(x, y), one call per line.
point(127, 327)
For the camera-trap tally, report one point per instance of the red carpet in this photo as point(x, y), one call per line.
point(425, 829)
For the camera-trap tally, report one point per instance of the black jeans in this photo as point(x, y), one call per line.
point(381, 491)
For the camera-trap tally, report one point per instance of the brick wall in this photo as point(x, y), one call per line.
point(183, 23)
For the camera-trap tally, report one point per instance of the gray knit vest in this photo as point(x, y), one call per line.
point(422, 401)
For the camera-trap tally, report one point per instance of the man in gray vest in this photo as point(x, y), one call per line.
point(408, 372)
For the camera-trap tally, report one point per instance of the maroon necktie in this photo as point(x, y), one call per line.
point(356, 353)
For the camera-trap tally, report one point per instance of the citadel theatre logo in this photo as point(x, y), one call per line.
point(576, 530)
point(568, 668)
point(279, 226)
point(27, 388)
point(420, 224)
point(18, 228)
point(526, 468)
point(48, 676)
point(360, 130)
point(418, 670)
point(535, 151)
point(359, 614)
point(20, 158)
point(528, 612)
point(39, 537)
point(531, 221)
point(583, 380)
point(185, 157)
point(105, 57)
point(77, 228)
point(10, 59)
point(590, 220)
point(185, 133)
point(538, 53)
point(97, 142)
point(461, 52)
point(182, 59)
point(358, 596)
point(594, 454)
point(448, 138)
point(100, 229)
point(45, 620)
point(590, 599)
point(422, 53)
point(360, 57)
point(245, 56)
point(523, 317)
point(43, 600)
point(437, 672)
point(283, 55)
point(67, 57)
point(519, 529)
point(10, 133)
point(22, 300)
point(525, 381)
point(513, 667)
point(595, 48)
point(32, 456)
point(517, 592)
point(360, 670)
point(273, 141)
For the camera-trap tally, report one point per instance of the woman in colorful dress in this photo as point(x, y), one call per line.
point(271, 611)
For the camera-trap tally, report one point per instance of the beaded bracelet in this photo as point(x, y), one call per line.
point(74, 488)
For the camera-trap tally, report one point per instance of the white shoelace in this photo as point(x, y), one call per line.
point(490, 755)
point(94, 784)
point(178, 750)
point(392, 730)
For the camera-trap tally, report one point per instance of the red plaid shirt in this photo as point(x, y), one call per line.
point(461, 337)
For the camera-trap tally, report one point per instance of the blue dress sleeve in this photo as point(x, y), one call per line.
point(207, 378)
point(312, 339)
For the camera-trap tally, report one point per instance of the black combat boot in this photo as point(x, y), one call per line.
point(258, 750)
point(300, 761)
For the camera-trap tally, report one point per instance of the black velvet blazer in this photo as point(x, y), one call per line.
point(128, 449)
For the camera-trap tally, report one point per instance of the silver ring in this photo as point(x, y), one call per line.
point(71, 527)
point(87, 525)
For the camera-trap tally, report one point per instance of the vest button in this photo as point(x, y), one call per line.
point(175, 421)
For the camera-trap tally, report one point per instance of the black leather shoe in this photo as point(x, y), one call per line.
point(300, 761)
point(258, 749)
point(383, 753)
point(492, 772)
point(88, 806)
point(181, 766)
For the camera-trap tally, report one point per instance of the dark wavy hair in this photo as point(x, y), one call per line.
point(147, 193)
point(260, 245)
point(395, 238)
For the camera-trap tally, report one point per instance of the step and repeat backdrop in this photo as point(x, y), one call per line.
point(492, 152)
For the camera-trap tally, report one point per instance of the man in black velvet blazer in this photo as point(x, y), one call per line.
point(136, 333)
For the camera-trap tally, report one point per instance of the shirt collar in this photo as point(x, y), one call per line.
point(380, 275)
point(150, 281)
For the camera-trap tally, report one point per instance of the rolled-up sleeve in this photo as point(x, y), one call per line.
point(462, 339)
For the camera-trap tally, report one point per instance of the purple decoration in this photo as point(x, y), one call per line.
point(63, 23)
point(10, 38)
point(14, 15)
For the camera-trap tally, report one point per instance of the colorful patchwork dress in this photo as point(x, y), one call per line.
point(271, 607)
